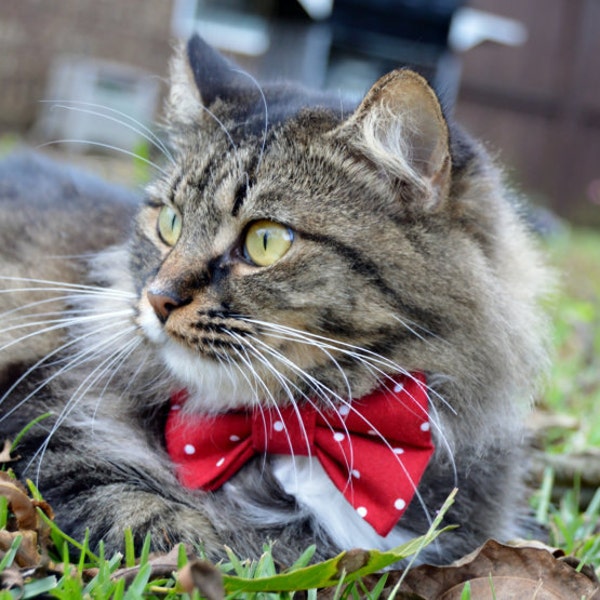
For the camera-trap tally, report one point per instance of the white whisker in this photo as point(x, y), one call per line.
point(88, 382)
point(133, 125)
point(60, 286)
point(266, 118)
point(108, 147)
point(75, 361)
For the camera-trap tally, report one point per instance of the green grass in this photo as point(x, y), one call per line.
point(71, 571)
point(573, 389)
point(574, 384)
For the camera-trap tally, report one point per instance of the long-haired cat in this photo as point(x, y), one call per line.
point(321, 320)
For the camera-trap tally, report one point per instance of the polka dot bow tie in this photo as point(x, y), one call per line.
point(375, 449)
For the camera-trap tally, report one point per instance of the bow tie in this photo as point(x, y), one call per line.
point(374, 449)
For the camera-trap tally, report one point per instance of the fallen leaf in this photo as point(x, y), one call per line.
point(5, 456)
point(27, 555)
point(19, 502)
point(12, 579)
point(161, 565)
point(202, 576)
point(24, 520)
point(495, 571)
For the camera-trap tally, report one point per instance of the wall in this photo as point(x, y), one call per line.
point(539, 104)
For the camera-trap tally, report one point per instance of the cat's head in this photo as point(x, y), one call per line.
point(299, 247)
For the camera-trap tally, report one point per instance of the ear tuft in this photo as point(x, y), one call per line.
point(184, 102)
point(401, 127)
point(200, 76)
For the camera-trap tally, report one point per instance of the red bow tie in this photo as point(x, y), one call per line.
point(375, 449)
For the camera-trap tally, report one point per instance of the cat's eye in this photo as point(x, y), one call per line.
point(266, 242)
point(169, 225)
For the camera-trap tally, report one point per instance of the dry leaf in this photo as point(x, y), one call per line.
point(12, 579)
point(496, 571)
point(25, 521)
point(5, 456)
point(204, 577)
point(162, 565)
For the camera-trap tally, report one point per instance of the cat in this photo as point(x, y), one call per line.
point(297, 255)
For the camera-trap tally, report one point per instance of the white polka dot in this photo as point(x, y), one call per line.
point(189, 449)
point(362, 511)
point(278, 426)
point(338, 436)
point(220, 462)
point(355, 474)
point(398, 450)
point(175, 406)
point(344, 410)
point(234, 438)
point(398, 387)
point(399, 504)
point(371, 432)
point(425, 426)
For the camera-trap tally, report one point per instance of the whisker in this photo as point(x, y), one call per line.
point(366, 357)
point(299, 336)
point(108, 147)
point(133, 124)
point(71, 298)
point(320, 390)
point(56, 324)
point(61, 286)
point(74, 362)
point(405, 323)
point(266, 119)
point(284, 384)
point(88, 382)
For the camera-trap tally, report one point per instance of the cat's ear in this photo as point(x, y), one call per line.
point(400, 126)
point(200, 75)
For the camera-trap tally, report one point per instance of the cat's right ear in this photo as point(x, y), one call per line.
point(199, 76)
point(400, 126)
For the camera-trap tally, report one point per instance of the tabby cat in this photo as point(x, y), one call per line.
point(348, 293)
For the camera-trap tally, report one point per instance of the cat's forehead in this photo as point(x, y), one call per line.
point(225, 172)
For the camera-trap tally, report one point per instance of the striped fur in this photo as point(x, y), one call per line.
point(408, 255)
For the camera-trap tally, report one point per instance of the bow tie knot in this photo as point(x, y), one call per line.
point(375, 449)
point(284, 431)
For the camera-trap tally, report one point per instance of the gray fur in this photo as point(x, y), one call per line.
point(408, 255)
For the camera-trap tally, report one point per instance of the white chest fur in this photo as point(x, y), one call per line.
point(304, 478)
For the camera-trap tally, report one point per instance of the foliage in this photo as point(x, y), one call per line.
point(574, 390)
point(574, 384)
point(71, 571)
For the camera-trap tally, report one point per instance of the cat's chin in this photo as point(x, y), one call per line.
point(212, 386)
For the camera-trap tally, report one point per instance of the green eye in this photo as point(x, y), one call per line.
point(266, 242)
point(169, 225)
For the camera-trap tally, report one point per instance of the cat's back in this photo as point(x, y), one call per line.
point(52, 219)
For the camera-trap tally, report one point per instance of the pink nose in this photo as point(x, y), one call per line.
point(163, 303)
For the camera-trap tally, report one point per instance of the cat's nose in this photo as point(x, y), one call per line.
point(164, 303)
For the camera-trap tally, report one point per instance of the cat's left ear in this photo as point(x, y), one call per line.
point(199, 76)
point(400, 126)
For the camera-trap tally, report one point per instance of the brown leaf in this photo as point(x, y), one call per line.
point(25, 521)
point(18, 502)
point(5, 456)
point(496, 571)
point(351, 561)
point(162, 565)
point(27, 555)
point(203, 576)
point(12, 579)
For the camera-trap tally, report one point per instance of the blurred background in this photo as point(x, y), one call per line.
point(522, 76)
